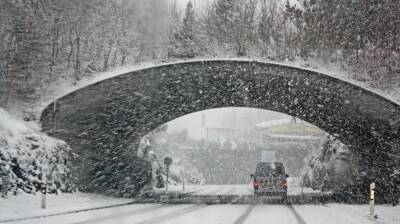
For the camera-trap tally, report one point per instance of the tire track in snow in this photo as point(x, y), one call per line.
point(172, 215)
point(298, 217)
point(245, 214)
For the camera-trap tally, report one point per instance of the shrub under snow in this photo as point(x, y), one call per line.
point(26, 154)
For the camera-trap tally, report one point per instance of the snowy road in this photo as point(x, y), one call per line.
point(224, 190)
point(238, 189)
point(81, 209)
point(229, 214)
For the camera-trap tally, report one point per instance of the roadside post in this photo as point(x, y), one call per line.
point(302, 185)
point(44, 194)
point(183, 180)
point(372, 201)
point(167, 162)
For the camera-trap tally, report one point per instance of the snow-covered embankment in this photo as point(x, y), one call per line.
point(30, 158)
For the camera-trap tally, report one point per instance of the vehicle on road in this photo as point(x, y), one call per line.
point(270, 179)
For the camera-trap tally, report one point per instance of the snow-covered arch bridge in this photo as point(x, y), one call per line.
point(109, 117)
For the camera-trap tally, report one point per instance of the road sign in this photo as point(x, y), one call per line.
point(167, 162)
point(268, 156)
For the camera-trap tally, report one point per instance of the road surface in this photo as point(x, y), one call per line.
point(221, 214)
point(238, 189)
point(230, 213)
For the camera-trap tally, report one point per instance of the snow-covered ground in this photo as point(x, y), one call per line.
point(221, 214)
point(27, 154)
point(294, 188)
point(340, 213)
point(208, 189)
point(61, 211)
point(244, 189)
point(28, 205)
point(178, 189)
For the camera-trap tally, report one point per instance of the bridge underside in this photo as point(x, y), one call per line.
point(107, 119)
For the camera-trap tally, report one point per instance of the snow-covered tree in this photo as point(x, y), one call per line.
point(184, 41)
point(31, 160)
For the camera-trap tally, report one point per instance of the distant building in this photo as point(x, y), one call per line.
point(288, 129)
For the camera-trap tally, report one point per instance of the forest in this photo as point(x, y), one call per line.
point(45, 42)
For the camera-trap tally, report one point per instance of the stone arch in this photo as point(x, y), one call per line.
point(113, 114)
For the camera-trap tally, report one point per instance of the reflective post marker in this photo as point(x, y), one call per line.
point(372, 200)
point(44, 192)
point(43, 204)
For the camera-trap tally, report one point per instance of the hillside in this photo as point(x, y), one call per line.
point(28, 157)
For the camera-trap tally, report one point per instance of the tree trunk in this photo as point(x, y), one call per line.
point(107, 55)
point(77, 58)
point(71, 50)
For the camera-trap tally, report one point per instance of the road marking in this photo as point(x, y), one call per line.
point(172, 215)
point(298, 217)
point(127, 213)
point(245, 214)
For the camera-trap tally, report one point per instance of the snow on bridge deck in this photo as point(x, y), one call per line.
point(61, 89)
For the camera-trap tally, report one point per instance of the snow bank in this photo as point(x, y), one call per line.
point(26, 155)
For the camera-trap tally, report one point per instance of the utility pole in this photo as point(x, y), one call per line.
point(183, 176)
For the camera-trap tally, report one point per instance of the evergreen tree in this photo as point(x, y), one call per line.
point(265, 28)
point(244, 27)
point(224, 13)
point(232, 25)
point(184, 42)
point(173, 31)
point(187, 34)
